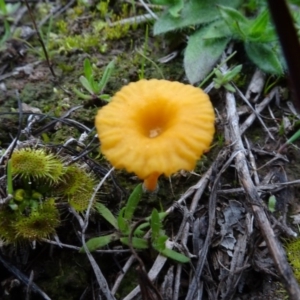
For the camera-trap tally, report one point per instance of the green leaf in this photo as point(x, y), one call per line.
point(175, 9)
point(265, 57)
point(122, 223)
point(6, 35)
point(201, 55)
point(105, 97)
point(141, 229)
point(133, 201)
point(233, 72)
point(194, 12)
point(229, 87)
point(82, 95)
point(217, 29)
point(106, 75)
point(175, 255)
point(261, 29)
point(99, 242)
point(3, 8)
point(88, 70)
point(294, 137)
point(159, 243)
point(155, 224)
point(260, 23)
point(137, 243)
point(272, 203)
point(10, 189)
point(238, 24)
point(86, 84)
point(106, 214)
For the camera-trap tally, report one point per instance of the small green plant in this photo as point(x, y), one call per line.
point(95, 88)
point(37, 180)
point(224, 79)
point(216, 25)
point(125, 227)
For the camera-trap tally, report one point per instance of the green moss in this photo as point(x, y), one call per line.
point(293, 254)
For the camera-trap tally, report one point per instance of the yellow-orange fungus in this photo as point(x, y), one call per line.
point(154, 127)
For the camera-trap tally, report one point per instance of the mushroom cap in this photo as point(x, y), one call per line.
point(156, 127)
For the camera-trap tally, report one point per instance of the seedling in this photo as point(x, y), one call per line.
point(224, 79)
point(124, 225)
point(95, 88)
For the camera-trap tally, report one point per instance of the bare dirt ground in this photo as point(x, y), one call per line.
point(222, 215)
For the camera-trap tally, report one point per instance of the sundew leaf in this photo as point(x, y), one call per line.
point(194, 12)
point(137, 243)
point(99, 242)
point(201, 55)
point(107, 215)
point(175, 255)
point(133, 201)
point(265, 57)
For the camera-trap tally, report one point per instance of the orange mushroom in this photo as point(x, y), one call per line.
point(154, 127)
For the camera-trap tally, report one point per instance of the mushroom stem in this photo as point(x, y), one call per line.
point(150, 183)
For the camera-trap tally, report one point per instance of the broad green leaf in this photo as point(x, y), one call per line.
point(155, 224)
point(265, 57)
point(175, 255)
point(194, 12)
point(122, 223)
point(137, 243)
point(217, 29)
point(99, 242)
point(201, 55)
point(106, 75)
point(133, 201)
point(237, 23)
point(106, 214)
point(175, 9)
